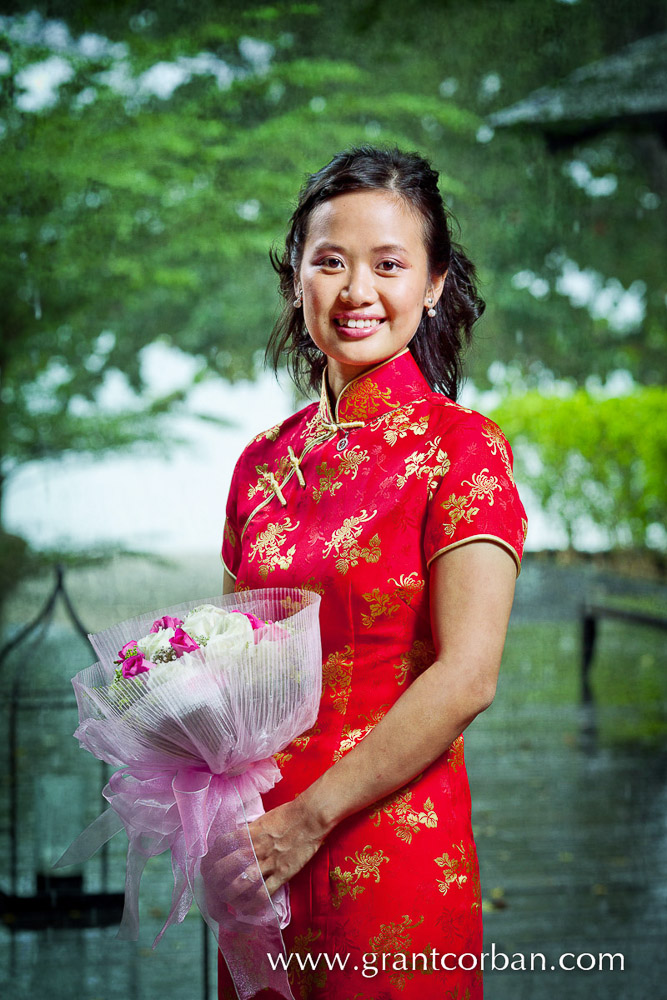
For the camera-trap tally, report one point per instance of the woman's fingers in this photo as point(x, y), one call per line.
point(232, 878)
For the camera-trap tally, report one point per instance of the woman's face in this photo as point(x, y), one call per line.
point(364, 279)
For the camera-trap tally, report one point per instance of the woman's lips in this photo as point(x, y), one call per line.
point(357, 332)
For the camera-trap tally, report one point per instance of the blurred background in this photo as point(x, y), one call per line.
point(151, 156)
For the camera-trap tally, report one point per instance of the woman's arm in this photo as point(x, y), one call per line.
point(472, 588)
point(228, 582)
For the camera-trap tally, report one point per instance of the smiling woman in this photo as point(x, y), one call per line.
point(399, 507)
point(365, 280)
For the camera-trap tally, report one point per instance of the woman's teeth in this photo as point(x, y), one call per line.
point(357, 324)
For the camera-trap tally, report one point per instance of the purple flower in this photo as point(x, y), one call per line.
point(135, 664)
point(165, 622)
point(183, 643)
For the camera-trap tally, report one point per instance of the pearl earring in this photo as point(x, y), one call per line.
point(431, 310)
point(297, 301)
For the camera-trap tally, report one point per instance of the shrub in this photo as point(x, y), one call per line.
point(594, 460)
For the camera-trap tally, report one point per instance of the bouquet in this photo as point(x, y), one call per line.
point(191, 713)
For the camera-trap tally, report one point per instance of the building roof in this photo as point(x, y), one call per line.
point(627, 89)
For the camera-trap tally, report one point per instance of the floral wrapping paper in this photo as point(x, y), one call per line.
point(355, 504)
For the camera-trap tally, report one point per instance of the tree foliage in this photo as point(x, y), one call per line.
point(141, 200)
point(595, 461)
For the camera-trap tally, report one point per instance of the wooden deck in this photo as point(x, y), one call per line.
point(572, 845)
point(569, 810)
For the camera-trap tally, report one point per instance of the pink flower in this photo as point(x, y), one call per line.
point(271, 631)
point(165, 622)
point(254, 621)
point(183, 643)
point(135, 664)
point(129, 649)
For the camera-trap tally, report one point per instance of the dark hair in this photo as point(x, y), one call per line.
point(438, 344)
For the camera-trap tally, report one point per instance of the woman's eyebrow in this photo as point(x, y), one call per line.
point(384, 248)
point(328, 246)
point(390, 248)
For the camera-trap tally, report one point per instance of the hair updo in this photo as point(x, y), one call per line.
point(439, 342)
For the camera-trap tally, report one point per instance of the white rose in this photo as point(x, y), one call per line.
point(210, 621)
point(229, 645)
point(156, 642)
point(205, 620)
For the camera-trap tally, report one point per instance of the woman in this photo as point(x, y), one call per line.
point(398, 506)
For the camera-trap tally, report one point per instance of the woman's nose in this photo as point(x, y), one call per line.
point(360, 287)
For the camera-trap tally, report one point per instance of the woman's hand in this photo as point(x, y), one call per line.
point(285, 839)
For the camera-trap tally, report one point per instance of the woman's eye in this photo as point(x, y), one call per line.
point(388, 266)
point(332, 263)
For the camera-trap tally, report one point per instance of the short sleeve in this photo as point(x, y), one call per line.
point(477, 498)
point(231, 537)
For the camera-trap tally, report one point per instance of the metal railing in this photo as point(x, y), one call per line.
point(56, 901)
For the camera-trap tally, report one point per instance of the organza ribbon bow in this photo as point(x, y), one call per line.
point(202, 818)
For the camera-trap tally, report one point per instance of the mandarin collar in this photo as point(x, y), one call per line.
point(387, 386)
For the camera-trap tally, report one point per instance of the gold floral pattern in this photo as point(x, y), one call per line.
point(282, 757)
point(305, 980)
point(398, 424)
point(291, 606)
point(366, 865)
point(455, 754)
point(405, 819)
point(459, 509)
point(314, 428)
point(395, 939)
point(302, 741)
point(482, 485)
point(417, 464)
point(229, 534)
point(351, 735)
point(337, 675)
point(413, 662)
point(270, 435)
point(344, 884)
point(452, 875)
point(344, 542)
point(328, 481)
point(408, 587)
point(351, 460)
point(330, 476)
point(262, 471)
point(498, 444)
point(364, 398)
point(267, 545)
point(379, 604)
point(457, 870)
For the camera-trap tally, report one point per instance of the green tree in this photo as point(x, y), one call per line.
point(137, 209)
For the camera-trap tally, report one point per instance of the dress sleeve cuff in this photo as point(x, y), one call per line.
point(480, 538)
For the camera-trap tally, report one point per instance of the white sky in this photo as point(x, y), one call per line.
point(175, 503)
point(143, 500)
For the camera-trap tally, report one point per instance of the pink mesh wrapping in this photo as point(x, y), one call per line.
point(194, 741)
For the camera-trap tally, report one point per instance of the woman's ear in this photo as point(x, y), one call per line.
point(437, 284)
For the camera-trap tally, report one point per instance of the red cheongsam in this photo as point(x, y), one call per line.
point(356, 505)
